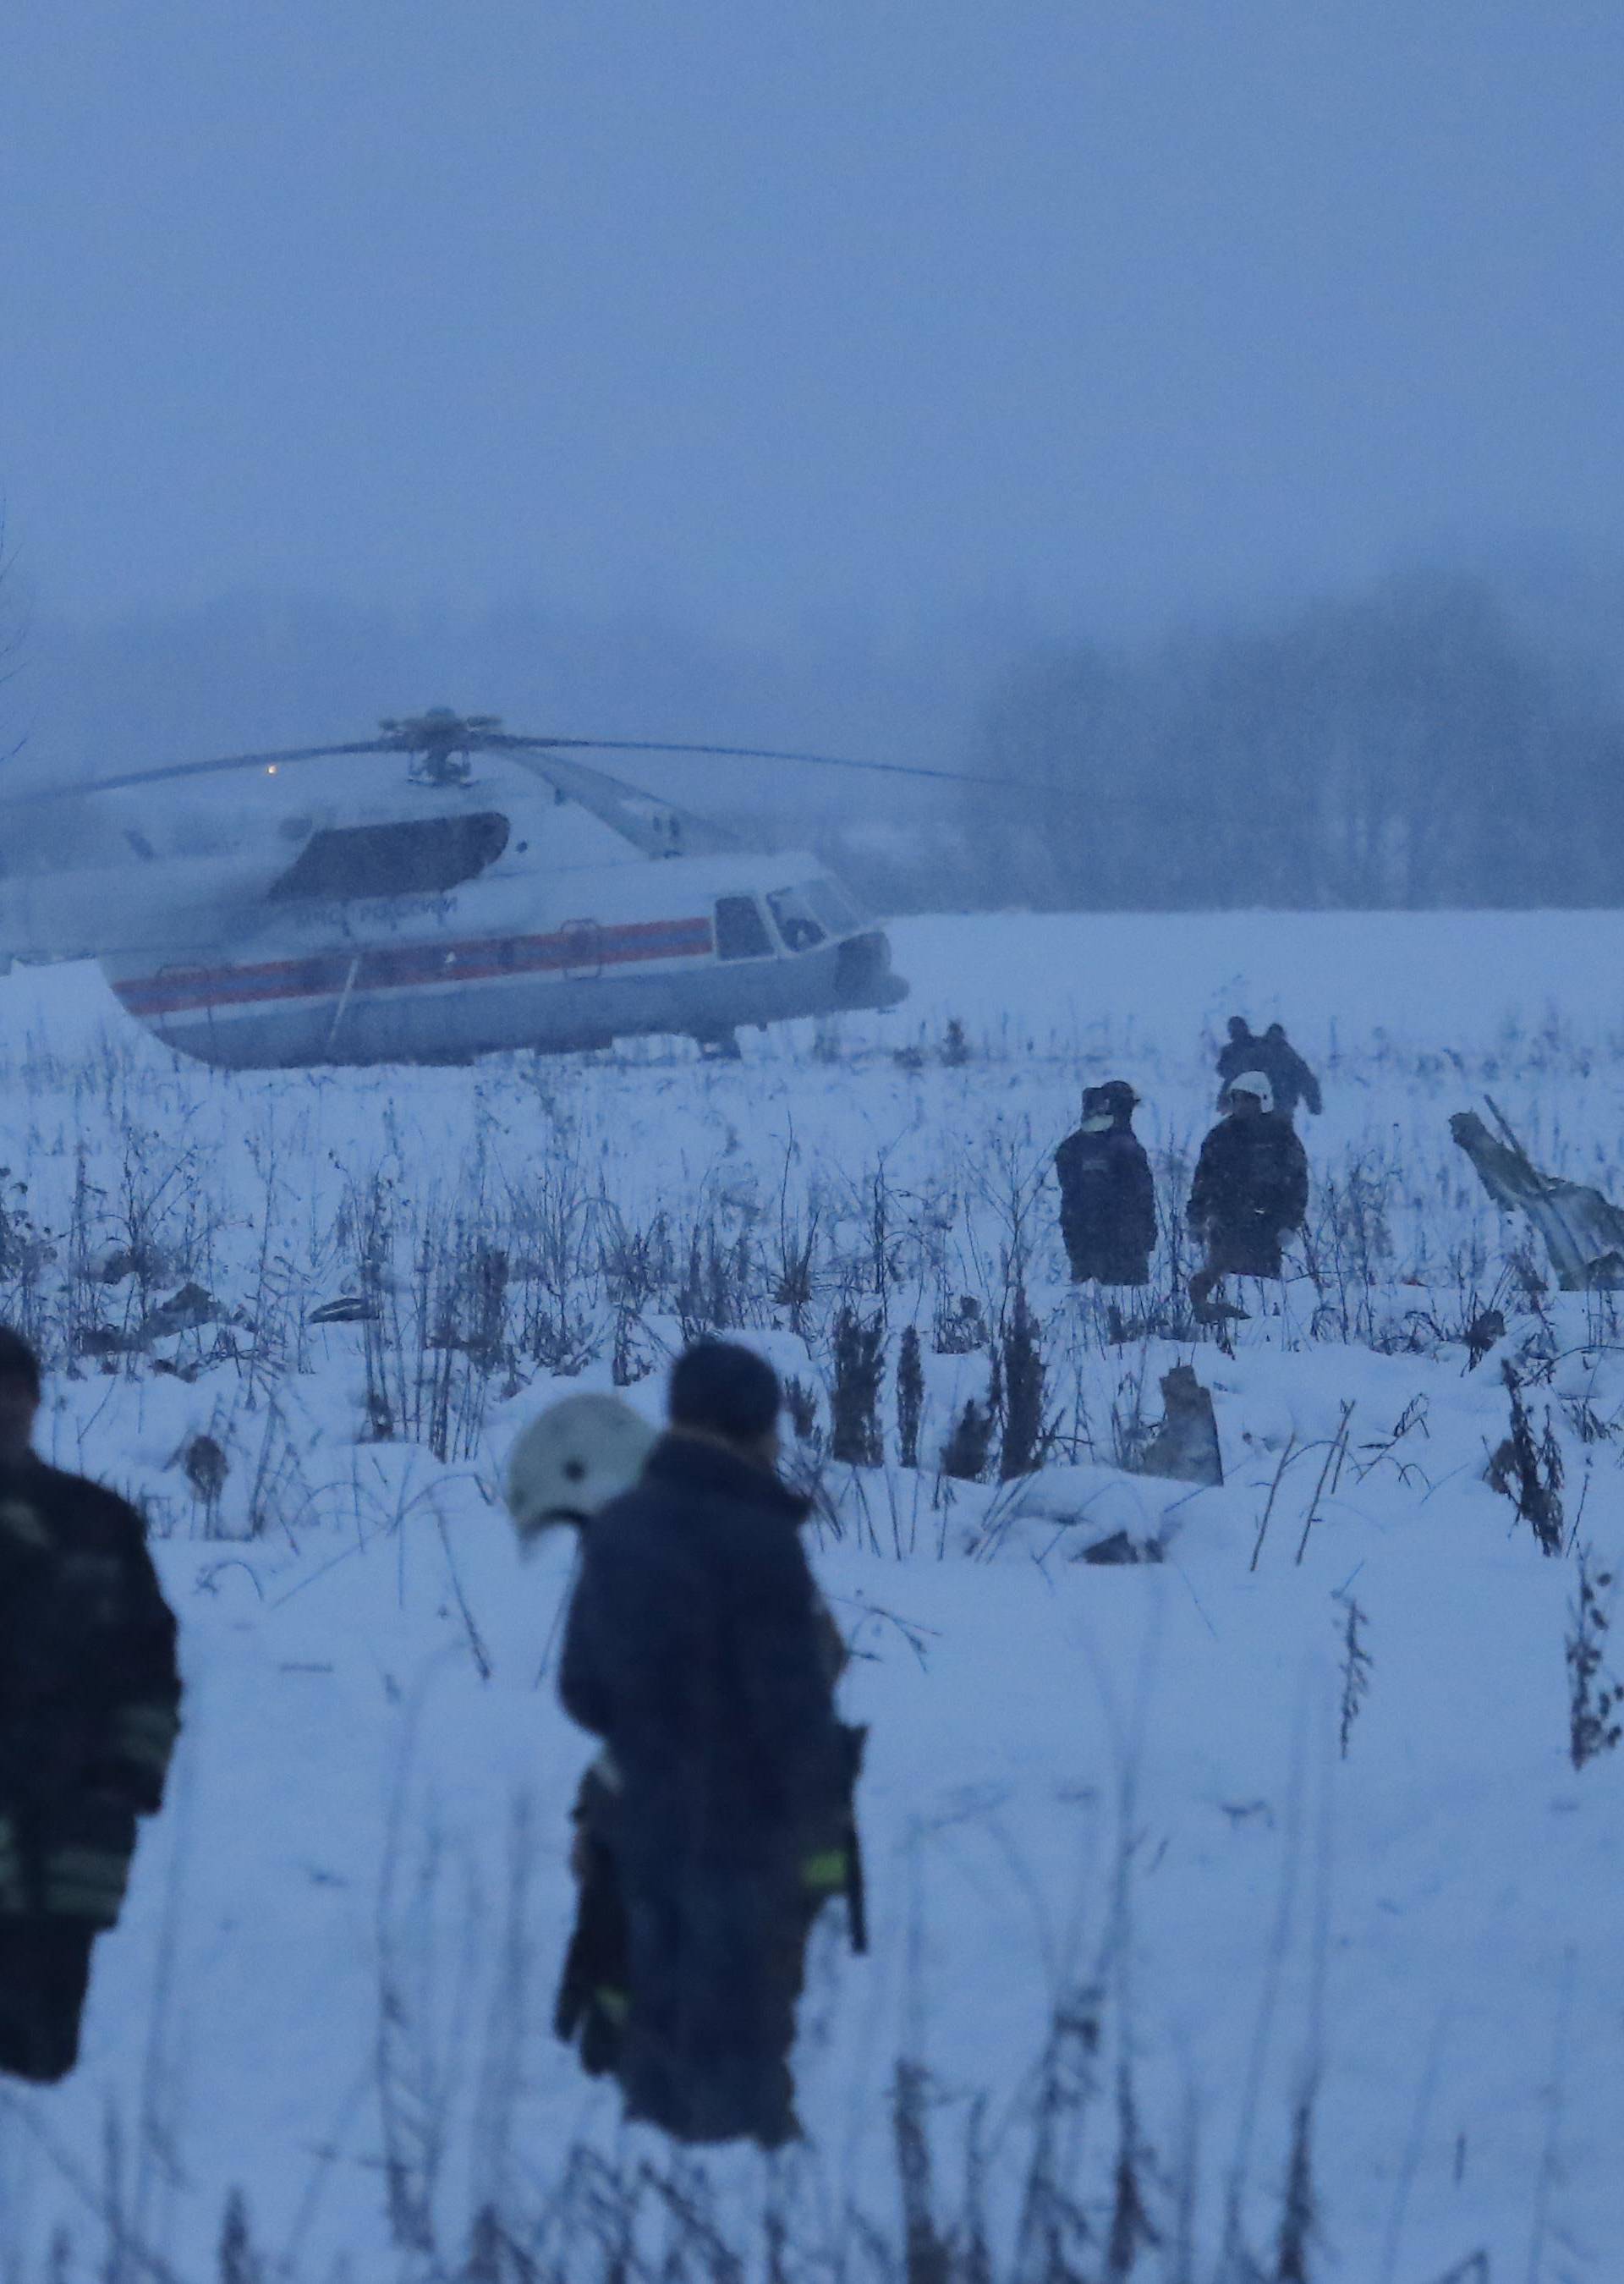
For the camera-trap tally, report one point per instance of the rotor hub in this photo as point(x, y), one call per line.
point(439, 742)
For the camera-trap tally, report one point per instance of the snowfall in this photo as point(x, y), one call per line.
point(1161, 1872)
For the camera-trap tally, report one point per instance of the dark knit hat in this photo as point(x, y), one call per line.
point(725, 1389)
point(18, 1360)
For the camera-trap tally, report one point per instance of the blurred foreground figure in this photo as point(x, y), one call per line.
point(1250, 1192)
point(1277, 1059)
point(698, 1650)
point(1107, 1196)
point(90, 1709)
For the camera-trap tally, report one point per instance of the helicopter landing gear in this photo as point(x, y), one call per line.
point(718, 1046)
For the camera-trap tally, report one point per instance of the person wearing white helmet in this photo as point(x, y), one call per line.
point(574, 1459)
point(1250, 1192)
point(569, 1463)
point(1277, 1059)
point(698, 1650)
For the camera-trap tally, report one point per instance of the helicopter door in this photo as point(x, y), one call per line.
point(176, 976)
point(583, 950)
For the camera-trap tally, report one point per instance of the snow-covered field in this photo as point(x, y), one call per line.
point(1121, 1867)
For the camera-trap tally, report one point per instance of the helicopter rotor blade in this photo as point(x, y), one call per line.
point(268, 760)
point(507, 741)
point(626, 808)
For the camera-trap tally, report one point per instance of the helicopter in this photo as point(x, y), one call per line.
point(506, 895)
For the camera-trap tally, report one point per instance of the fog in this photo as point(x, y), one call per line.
point(803, 374)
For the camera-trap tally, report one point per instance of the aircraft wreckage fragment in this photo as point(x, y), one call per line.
point(1583, 1231)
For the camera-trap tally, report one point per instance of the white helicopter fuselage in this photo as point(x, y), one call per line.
point(470, 920)
point(687, 945)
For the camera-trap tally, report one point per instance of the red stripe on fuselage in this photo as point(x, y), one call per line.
point(393, 967)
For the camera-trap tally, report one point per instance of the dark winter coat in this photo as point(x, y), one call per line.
point(1281, 1064)
point(90, 1694)
point(1107, 1205)
point(696, 1650)
point(1251, 1185)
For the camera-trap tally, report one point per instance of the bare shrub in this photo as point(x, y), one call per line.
point(238, 2262)
point(859, 1370)
point(1024, 1440)
point(1356, 1663)
point(967, 1453)
point(1529, 1472)
point(909, 1397)
point(1593, 1698)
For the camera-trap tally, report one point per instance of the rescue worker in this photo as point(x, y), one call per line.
point(90, 1709)
point(570, 1462)
point(696, 1648)
point(1280, 1061)
point(1250, 1192)
point(1107, 1193)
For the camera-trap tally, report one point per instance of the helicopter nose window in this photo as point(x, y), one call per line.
point(797, 924)
point(741, 932)
point(836, 906)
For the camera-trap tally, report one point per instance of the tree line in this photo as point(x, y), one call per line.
point(1412, 745)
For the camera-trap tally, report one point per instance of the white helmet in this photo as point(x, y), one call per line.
point(1253, 1083)
point(582, 1452)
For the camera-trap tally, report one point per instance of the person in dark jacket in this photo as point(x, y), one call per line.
point(1278, 1059)
point(696, 1648)
point(90, 1709)
point(1250, 1189)
point(1107, 1193)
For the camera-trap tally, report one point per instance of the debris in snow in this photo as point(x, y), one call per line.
point(1583, 1233)
point(347, 1309)
point(1185, 1445)
point(1121, 1548)
point(182, 1312)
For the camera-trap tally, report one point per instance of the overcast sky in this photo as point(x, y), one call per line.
point(769, 312)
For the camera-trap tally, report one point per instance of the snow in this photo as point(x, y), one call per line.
point(1118, 1790)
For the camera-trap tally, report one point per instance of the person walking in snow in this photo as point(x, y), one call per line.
point(1278, 1059)
point(1107, 1193)
point(567, 1465)
point(1250, 1192)
point(697, 1650)
point(89, 1710)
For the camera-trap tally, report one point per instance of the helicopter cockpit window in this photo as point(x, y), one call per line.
point(418, 856)
point(837, 908)
point(741, 932)
point(797, 923)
